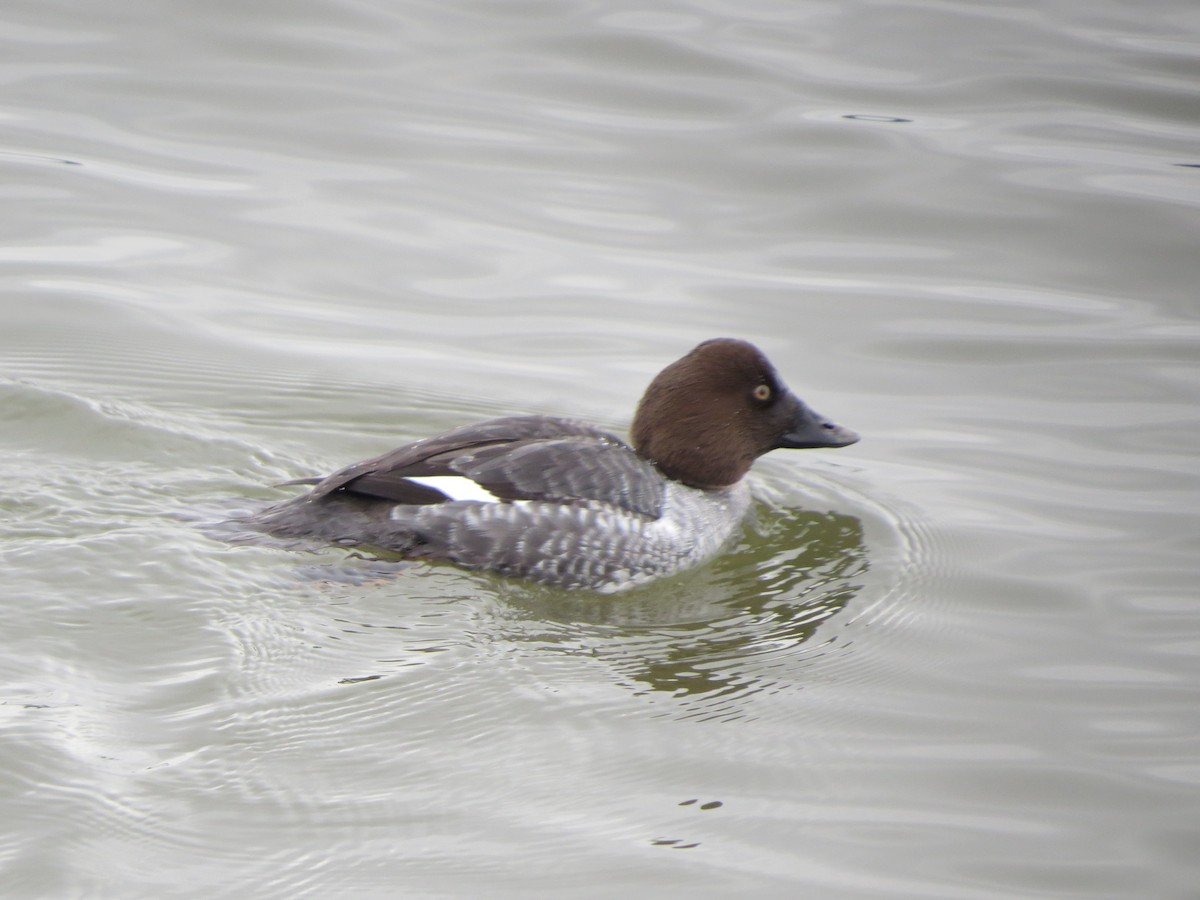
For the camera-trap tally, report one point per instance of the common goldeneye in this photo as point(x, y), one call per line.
point(565, 503)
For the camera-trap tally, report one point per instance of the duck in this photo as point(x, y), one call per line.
point(561, 502)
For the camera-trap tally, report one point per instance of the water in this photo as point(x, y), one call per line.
point(249, 242)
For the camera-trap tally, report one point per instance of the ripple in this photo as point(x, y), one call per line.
point(782, 608)
point(763, 618)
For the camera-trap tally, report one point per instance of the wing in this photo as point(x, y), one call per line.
point(568, 469)
point(516, 458)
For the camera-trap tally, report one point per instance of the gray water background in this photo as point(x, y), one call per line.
point(244, 242)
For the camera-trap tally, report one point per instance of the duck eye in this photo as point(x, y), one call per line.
point(762, 392)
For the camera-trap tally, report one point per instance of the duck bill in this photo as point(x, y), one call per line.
point(810, 429)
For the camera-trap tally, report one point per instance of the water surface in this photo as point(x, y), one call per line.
point(247, 243)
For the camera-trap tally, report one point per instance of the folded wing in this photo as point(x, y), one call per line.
point(517, 458)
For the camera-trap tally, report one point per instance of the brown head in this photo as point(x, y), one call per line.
point(706, 417)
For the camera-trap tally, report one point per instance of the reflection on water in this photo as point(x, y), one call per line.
point(708, 636)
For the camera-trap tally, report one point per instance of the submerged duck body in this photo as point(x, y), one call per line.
point(564, 503)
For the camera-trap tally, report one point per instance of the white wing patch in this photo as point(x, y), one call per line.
point(456, 487)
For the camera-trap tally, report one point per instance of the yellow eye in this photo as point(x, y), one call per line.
point(762, 392)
